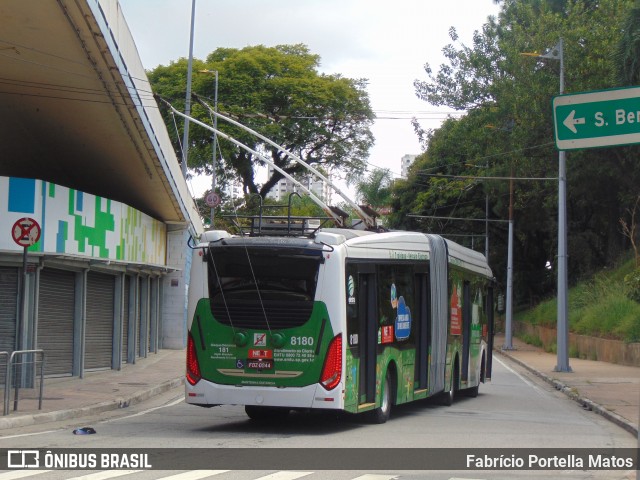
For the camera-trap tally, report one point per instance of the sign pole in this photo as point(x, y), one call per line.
point(563, 278)
point(563, 309)
point(21, 322)
point(25, 232)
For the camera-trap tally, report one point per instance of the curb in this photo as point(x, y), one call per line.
point(582, 401)
point(8, 422)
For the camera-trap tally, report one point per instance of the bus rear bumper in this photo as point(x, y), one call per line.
point(206, 393)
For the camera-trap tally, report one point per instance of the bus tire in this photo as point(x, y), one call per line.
point(473, 391)
point(383, 412)
point(266, 414)
point(448, 397)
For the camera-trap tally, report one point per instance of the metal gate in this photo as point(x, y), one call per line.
point(125, 318)
point(56, 307)
point(100, 297)
point(143, 318)
point(8, 312)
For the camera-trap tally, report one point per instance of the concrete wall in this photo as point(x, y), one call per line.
point(583, 346)
point(77, 223)
point(176, 287)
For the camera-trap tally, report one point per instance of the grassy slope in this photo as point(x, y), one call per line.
point(597, 307)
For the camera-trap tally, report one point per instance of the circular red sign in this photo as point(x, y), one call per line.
point(212, 199)
point(25, 232)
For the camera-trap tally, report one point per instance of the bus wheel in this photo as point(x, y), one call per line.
point(447, 397)
point(266, 414)
point(382, 413)
point(473, 391)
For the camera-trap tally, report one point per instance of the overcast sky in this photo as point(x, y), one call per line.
point(386, 42)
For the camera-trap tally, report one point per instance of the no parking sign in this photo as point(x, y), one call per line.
point(25, 232)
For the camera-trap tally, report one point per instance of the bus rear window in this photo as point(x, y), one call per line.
point(250, 288)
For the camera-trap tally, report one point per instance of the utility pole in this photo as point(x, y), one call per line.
point(563, 277)
point(187, 103)
point(508, 333)
point(562, 342)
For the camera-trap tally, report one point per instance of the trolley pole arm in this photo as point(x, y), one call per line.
point(365, 217)
point(340, 221)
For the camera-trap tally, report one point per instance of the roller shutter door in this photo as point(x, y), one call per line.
point(139, 314)
point(143, 320)
point(55, 320)
point(8, 312)
point(125, 318)
point(98, 349)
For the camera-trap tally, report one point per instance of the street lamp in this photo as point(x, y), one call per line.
point(557, 53)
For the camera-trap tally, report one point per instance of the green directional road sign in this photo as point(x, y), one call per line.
point(597, 119)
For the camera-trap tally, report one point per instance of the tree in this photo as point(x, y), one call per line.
point(627, 54)
point(630, 229)
point(277, 91)
point(509, 123)
point(375, 190)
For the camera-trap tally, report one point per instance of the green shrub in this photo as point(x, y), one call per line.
point(607, 305)
point(574, 352)
point(531, 339)
point(543, 314)
point(632, 285)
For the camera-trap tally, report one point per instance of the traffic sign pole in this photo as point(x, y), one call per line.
point(586, 120)
point(563, 276)
point(25, 232)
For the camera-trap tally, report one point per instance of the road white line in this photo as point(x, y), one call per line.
point(527, 382)
point(373, 476)
point(2, 437)
point(105, 475)
point(171, 404)
point(21, 474)
point(149, 410)
point(284, 476)
point(194, 475)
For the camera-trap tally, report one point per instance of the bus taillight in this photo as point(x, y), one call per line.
point(193, 369)
point(332, 369)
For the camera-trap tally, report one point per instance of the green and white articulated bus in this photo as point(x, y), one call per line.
point(345, 320)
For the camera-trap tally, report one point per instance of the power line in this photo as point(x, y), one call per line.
point(458, 218)
point(471, 177)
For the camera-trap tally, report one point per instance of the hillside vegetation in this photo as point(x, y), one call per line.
point(598, 307)
point(505, 130)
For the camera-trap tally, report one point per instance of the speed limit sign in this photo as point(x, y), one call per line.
point(212, 199)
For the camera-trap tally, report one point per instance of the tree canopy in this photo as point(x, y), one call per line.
point(508, 127)
point(277, 91)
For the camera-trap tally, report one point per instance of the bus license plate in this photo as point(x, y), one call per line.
point(260, 364)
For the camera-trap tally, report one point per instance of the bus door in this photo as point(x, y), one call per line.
point(368, 333)
point(423, 327)
point(466, 330)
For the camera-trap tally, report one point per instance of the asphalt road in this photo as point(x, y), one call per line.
point(515, 410)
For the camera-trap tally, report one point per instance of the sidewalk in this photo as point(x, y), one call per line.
point(97, 392)
point(608, 389)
